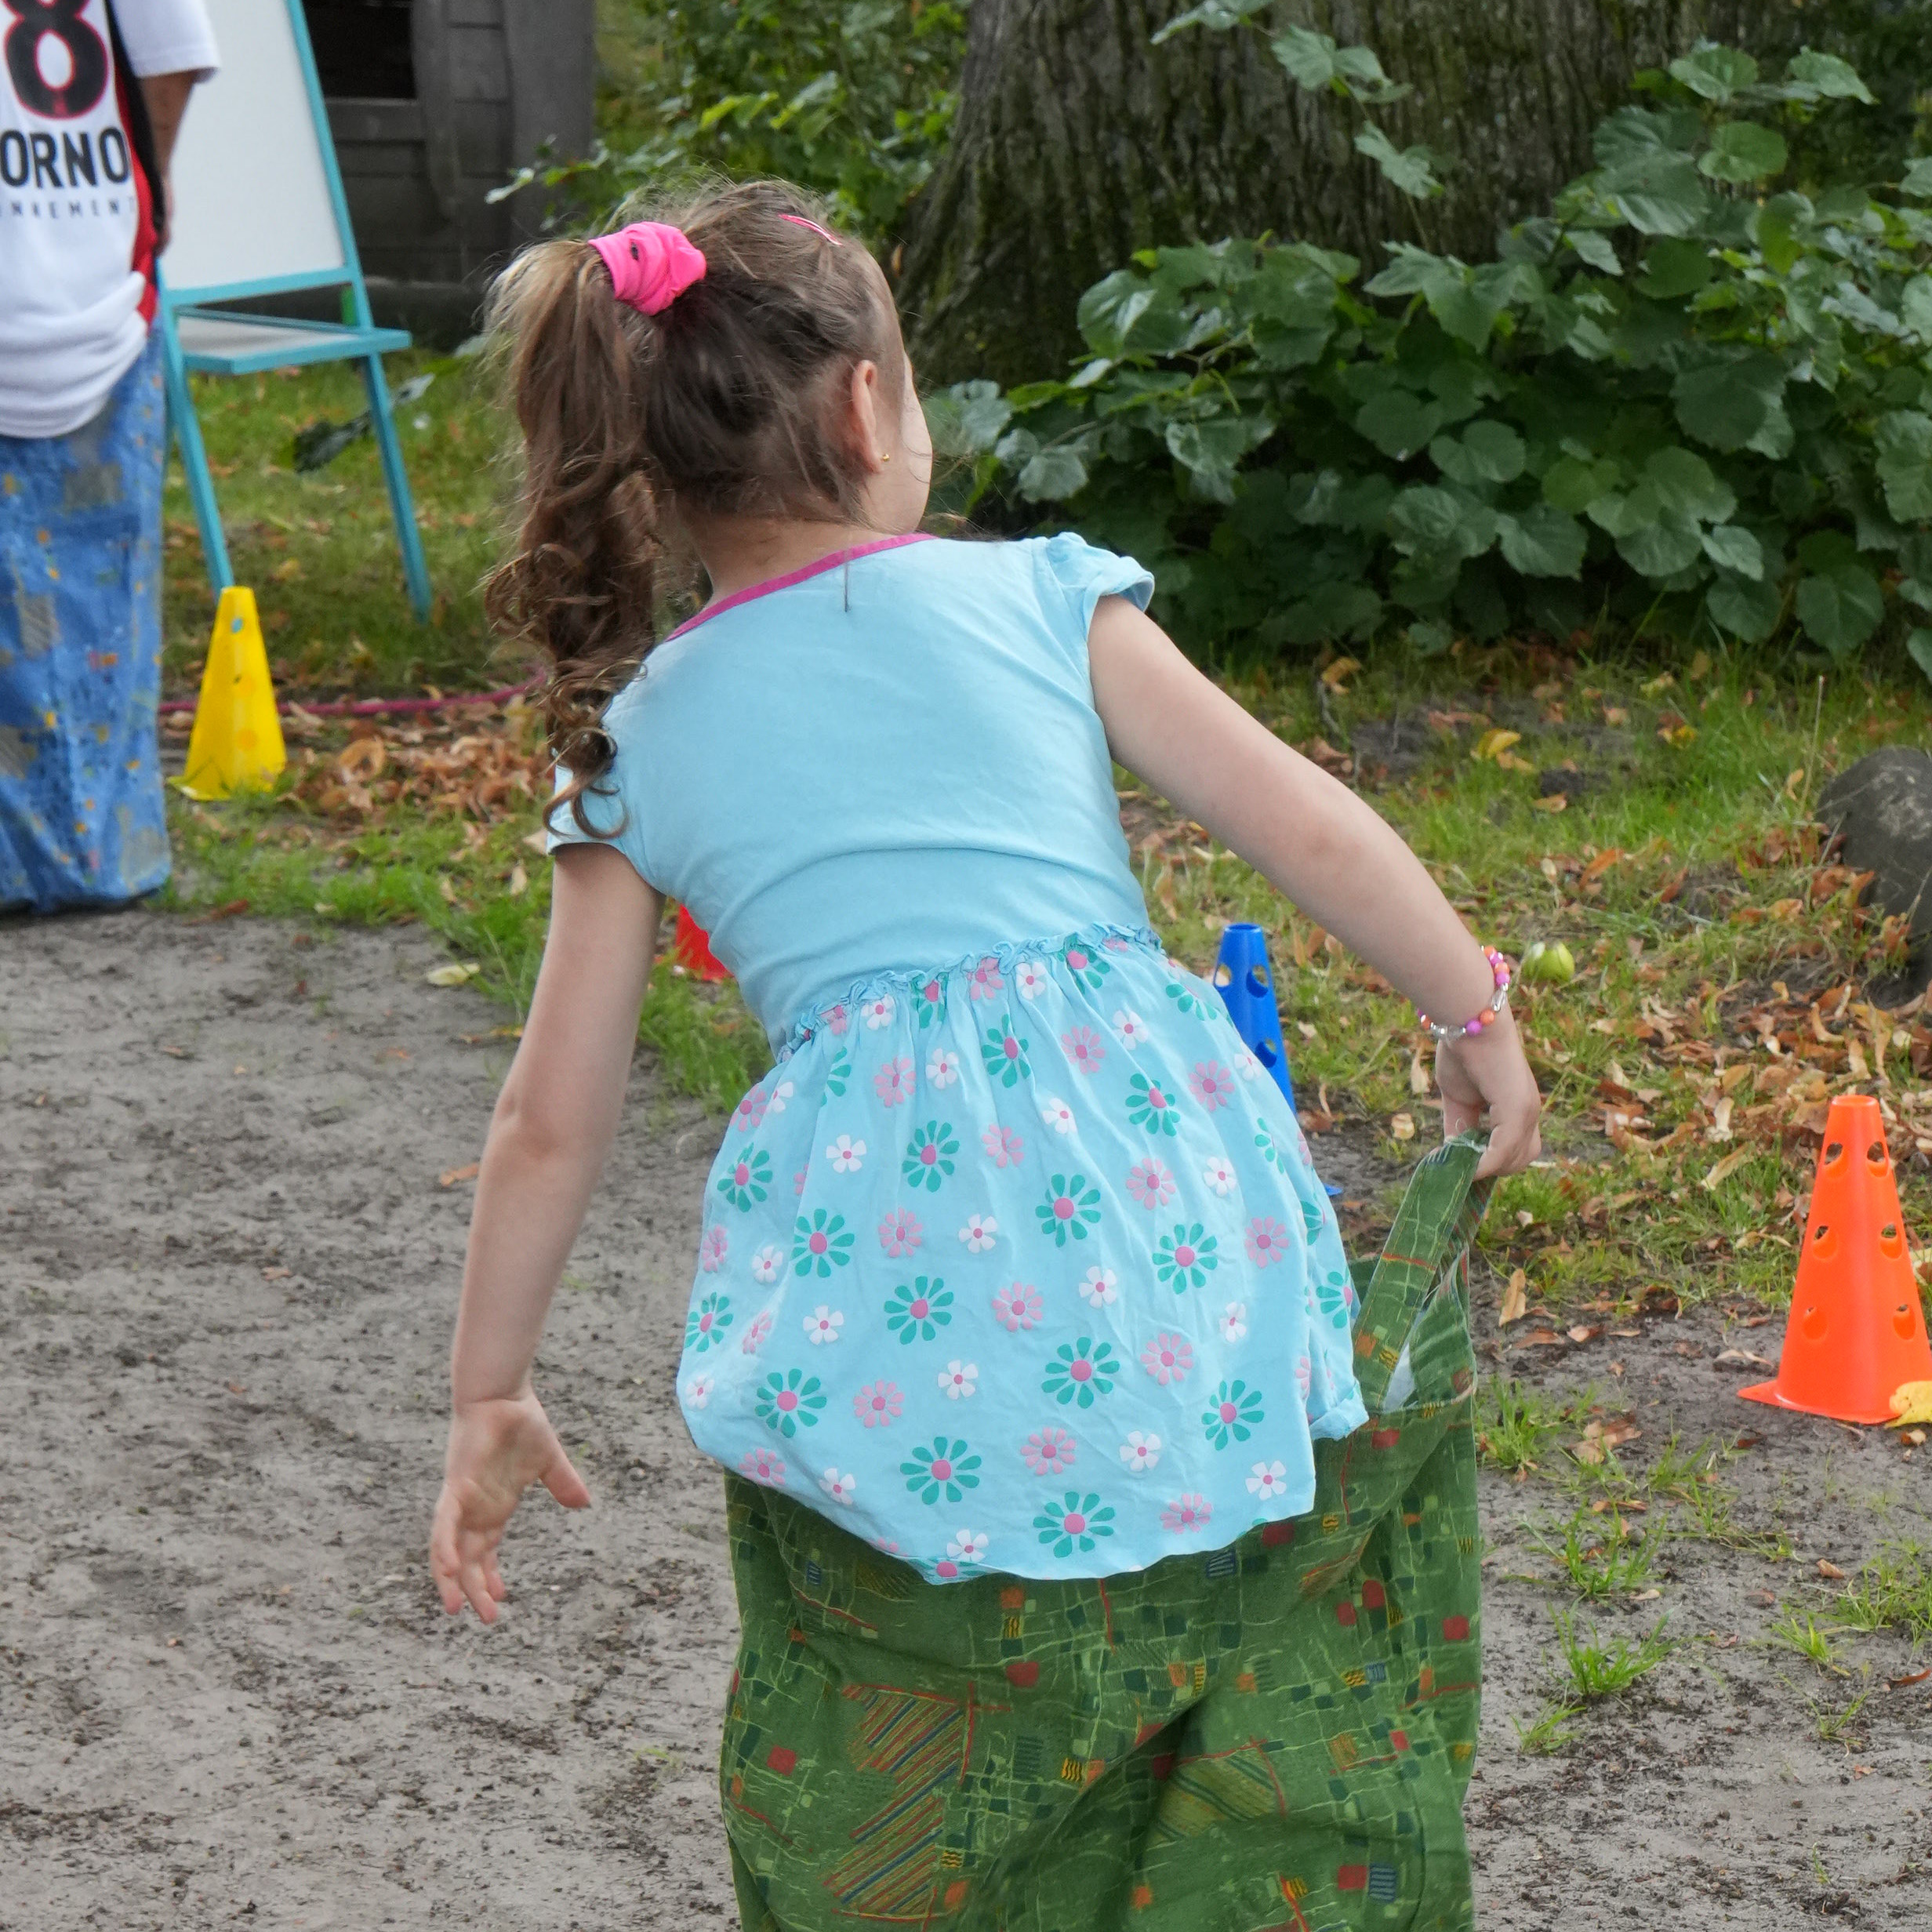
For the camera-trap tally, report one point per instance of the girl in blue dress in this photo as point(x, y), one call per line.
point(1015, 1262)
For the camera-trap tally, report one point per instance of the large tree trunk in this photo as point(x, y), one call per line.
point(1078, 141)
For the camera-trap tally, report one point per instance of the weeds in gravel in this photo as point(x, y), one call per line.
point(1893, 1590)
point(1840, 1723)
point(1518, 1428)
point(1799, 1630)
point(1549, 1730)
point(1597, 1557)
point(1600, 1667)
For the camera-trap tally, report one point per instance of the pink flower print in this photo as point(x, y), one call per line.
point(893, 1082)
point(1211, 1084)
point(1131, 1028)
point(1082, 1046)
point(1030, 979)
point(1017, 1306)
point(840, 1488)
point(762, 1467)
point(1304, 1376)
point(988, 983)
point(1004, 1148)
point(799, 1180)
point(1267, 1481)
point(1114, 943)
point(1048, 1451)
point(877, 1011)
point(1219, 1175)
point(1140, 1452)
point(751, 1111)
point(712, 1249)
point(1150, 1183)
point(1267, 1240)
point(757, 1335)
point(1234, 1322)
point(900, 1233)
point(1168, 1358)
point(941, 1068)
point(877, 1405)
point(836, 1020)
point(1190, 1512)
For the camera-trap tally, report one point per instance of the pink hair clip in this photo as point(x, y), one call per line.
point(800, 221)
point(651, 264)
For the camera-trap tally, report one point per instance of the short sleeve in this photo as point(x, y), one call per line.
point(169, 37)
point(1085, 573)
point(614, 804)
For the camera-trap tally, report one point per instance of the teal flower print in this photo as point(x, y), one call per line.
point(1086, 965)
point(929, 1000)
point(1311, 1219)
point(1081, 1371)
point(929, 1158)
point(705, 1326)
point(747, 1179)
point(1185, 1002)
point(790, 1401)
point(919, 1310)
point(1075, 1522)
point(1235, 1410)
point(1187, 1257)
point(1070, 1209)
point(820, 1243)
point(945, 1469)
point(1004, 1053)
point(1336, 1295)
point(838, 1075)
point(1152, 1106)
point(1265, 1140)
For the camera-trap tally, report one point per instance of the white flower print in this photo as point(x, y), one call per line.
point(1030, 979)
point(1268, 1480)
point(1058, 1115)
point(958, 1378)
point(1247, 1066)
point(838, 1487)
point(1140, 1452)
point(780, 1094)
point(1131, 1028)
point(1100, 1287)
point(698, 1390)
point(846, 1156)
point(1219, 1175)
point(822, 1324)
point(878, 1011)
point(967, 1546)
point(1234, 1321)
point(769, 1263)
point(941, 1068)
point(979, 1233)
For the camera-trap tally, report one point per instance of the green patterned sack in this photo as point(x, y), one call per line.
point(1275, 1736)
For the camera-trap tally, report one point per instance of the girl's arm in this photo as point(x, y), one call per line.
point(1317, 842)
point(553, 1127)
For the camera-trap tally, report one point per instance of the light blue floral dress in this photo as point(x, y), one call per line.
point(1016, 1259)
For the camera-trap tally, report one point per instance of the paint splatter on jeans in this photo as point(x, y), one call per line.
point(81, 812)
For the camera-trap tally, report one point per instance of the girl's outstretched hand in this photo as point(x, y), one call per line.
point(498, 1447)
point(1486, 1072)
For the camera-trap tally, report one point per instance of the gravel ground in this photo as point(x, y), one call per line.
point(227, 1692)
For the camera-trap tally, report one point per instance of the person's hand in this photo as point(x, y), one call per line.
point(1486, 1072)
point(497, 1449)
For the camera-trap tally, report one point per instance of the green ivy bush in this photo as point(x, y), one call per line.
point(1685, 397)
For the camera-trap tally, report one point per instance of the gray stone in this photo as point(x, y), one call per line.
point(1881, 809)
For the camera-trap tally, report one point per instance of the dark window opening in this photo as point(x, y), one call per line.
point(362, 48)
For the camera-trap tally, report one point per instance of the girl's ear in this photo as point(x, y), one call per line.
point(868, 419)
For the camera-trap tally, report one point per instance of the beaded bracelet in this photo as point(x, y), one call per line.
point(1499, 970)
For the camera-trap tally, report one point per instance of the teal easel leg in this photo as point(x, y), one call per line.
point(408, 541)
point(187, 432)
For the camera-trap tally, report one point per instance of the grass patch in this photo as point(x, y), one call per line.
point(1892, 1591)
point(1518, 1427)
point(1600, 1667)
point(1799, 1630)
point(1598, 1556)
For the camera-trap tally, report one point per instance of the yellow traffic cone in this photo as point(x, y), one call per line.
point(236, 743)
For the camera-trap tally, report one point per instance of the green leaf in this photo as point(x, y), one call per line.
point(1687, 487)
point(1594, 248)
point(1427, 522)
point(1732, 547)
point(1919, 648)
point(1495, 453)
point(1915, 306)
point(1730, 403)
point(1904, 442)
point(1775, 228)
point(968, 418)
point(1310, 57)
point(1748, 611)
point(1918, 181)
point(1217, 444)
point(1110, 308)
point(1662, 549)
point(1218, 15)
point(1742, 150)
point(1429, 638)
point(1716, 73)
point(1051, 475)
point(1332, 611)
point(1658, 192)
point(1543, 541)
point(1397, 423)
point(1571, 483)
point(1674, 267)
point(1832, 77)
point(1840, 608)
point(1409, 169)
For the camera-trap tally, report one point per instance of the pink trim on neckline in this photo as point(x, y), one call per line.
point(817, 567)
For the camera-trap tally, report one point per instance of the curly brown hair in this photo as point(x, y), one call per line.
point(725, 403)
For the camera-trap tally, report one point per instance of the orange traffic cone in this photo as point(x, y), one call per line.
point(1857, 1330)
point(692, 945)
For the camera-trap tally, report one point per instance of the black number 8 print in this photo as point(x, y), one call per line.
point(36, 21)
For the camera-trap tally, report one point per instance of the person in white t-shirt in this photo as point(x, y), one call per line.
point(92, 93)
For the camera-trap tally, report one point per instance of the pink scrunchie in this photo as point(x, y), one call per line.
point(651, 263)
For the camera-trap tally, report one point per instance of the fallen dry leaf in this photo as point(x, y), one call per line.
point(1743, 1358)
point(1830, 1570)
point(1403, 1126)
point(454, 1175)
point(277, 1274)
point(1721, 1171)
point(1556, 801)
point(1515, 1297)
point(1493, 742)
point(1912, 1403)
point(519, 880)
point(1540, 1339)
point(228, 911)
point(1582, 1334)
point(453, 974)
point(1905, 1683)
point(361, 759)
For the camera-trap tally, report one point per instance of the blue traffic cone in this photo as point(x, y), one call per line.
point(1246, 988)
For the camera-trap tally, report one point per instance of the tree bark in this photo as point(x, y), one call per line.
point(1078, 141)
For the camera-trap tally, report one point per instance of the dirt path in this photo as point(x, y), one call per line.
point(227, 1692)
